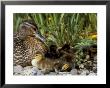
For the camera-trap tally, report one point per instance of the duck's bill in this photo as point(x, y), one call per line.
point(40, 37)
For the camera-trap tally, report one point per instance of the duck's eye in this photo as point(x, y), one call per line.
point(38, 32)
point(34, 29)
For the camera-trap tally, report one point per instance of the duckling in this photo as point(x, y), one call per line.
point(49, 65)
point(67, 53)
point(52, 52)
point(27, 42)
point(46, 65)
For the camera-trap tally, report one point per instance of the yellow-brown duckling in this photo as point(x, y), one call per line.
point(48, 65)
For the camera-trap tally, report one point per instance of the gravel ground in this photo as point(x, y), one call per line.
point(33, 71)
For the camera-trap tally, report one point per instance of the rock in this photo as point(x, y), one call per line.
point(81, 66)
point(34, 71)
point(87, 57)
point(73, 72)
point(27, 71)
point(52, 73)
point(78, 72)
point(39, 72)
point(16, 73)
point(64, 73)
point(30, 70)
point(85, 72)
point(95, 57)
point(94, 65)
point(28, 67)
point(95, 69)
point(17, 69)
point(95, 62)
point(92, 73)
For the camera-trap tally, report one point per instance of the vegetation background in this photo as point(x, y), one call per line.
point(60, 28)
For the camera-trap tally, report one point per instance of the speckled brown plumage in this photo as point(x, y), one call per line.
point(27, 44)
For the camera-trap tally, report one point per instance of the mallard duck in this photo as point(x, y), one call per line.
point(27, 42)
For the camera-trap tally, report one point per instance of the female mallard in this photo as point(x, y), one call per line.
point(27, 42)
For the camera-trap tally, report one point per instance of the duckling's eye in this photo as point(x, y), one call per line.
point(36, 55)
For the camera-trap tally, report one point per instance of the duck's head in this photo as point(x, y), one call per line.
point(29, 28)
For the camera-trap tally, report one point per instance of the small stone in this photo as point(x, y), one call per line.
point(16, 73)
point(64, 73)
point(34, 71)
point(78, 72)
point(85, 60)
point(95, 65)
point(53, 73)
point(29, 70)
point(95, 69)
point(73, 72)
point(87, 57)
point(39, 72)
point(92, 74)
point(85, 72)
point(28, 67)
point(17, 69)
point(81, 66)
point(95, 58)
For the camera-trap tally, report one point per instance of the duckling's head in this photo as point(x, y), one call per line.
point(37, 58)
point(29, 28)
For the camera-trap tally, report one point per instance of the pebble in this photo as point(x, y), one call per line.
point(52, 73)
point(64, 73)
point(92, 74)
point(28, 71)
point(39, 72)
point(33, 71)
point(17, 69)
point(73, 72)
point(81, 66)
point(95, 58)
point(85, 72)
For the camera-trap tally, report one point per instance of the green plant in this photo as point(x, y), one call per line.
point(60, 28)
point(85, 42)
